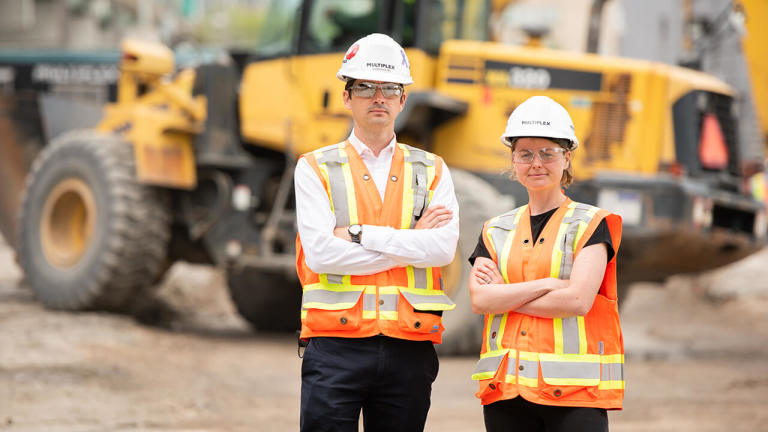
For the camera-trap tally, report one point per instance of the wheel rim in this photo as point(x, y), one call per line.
point(66, 225)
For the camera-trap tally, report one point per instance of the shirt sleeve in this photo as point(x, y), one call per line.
point(324, 252)
point(424, 247)
point(480, 250)
point(602, 235)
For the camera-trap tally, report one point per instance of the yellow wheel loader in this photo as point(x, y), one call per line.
point(197, 165)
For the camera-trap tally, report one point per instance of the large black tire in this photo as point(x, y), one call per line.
point(90, 236)
point(478, 202)
point(269, 301)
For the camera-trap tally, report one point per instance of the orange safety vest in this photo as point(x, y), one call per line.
point(574, 361)
point(402, 302)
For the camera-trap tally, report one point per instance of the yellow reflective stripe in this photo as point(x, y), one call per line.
point(582, 335)
point(529, 355)
point(612, 358)
point(303, 313)
point(504, 257)
point(582, 227)
point(388, 315)
point(430, 284)
point(557, 324)
point(502, 327)
point(351, 200)
point(411, 277)
point(611, 385)
point(389, 289)
point(570, 358)
point(369, 314)
point(407, 211)
point(557, 251)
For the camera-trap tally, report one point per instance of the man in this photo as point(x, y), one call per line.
point(376, 220)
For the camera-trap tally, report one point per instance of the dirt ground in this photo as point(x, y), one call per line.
point(697, 360)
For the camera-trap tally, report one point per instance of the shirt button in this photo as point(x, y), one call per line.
point(493, 335)
point(557, 392)
point(394, 178)
point(366, 177)
point(521, 367)
point(492, 386)
point(523, 332)
point(343, 320)
point(417, 324)
point(381, 302)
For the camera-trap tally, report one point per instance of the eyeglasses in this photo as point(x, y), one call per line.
point(368, 90)
point(546, 155)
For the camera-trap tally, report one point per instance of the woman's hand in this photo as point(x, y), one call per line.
point(485, 272)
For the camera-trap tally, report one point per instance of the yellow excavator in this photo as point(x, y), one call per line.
point(197, 164)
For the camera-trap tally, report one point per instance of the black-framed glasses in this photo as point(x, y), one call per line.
point(368, 89)
point(546, 155)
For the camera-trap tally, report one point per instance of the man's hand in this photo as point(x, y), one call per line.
point(342, 233)
point(434, 217)
point(485, 272)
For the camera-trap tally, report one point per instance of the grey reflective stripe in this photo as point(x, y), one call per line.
point(530, 368)
point(612, 372)
point(329, 297)
point(498, 237)
point(416, 299)
point(570, 335)
point(333, 162)
point(489, 364)
point(369, 302)
point(416, 155)
point(570, 370)
point(493, 338)
point(335, 279)
point(419, 163)
point(506, 221)
point(390, 302)
point(419, 277)
point(419, 186)
point(580, 214)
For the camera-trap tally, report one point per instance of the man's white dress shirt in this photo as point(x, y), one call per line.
point(381, 248)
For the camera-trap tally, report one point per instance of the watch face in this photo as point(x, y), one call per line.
point(355, 229)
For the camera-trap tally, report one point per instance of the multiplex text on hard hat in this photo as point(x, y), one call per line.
point(376, 57)
point(540, 116)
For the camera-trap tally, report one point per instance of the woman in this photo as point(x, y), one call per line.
point(544, 275)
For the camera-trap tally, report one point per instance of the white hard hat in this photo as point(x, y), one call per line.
point(540, 116)
point(376, 57)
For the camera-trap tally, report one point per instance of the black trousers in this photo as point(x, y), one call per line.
point(389, 379)
point(519, 415)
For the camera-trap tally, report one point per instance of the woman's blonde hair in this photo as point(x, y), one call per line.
point(567, 178)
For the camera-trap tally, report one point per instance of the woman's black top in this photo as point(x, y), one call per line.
point(601, 235)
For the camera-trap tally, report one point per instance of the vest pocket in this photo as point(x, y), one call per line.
point(569, 376)
point(427, 319)
point(330, 309)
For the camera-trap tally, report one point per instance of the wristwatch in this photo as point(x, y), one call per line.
point(355, 231)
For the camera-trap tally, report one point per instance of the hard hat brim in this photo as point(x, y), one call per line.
point(507, 139)
point(374, 76)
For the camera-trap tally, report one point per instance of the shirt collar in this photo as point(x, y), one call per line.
point(362, 148)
